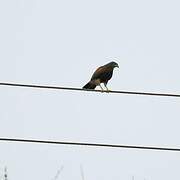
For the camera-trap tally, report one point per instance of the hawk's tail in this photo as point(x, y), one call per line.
point(89, 85)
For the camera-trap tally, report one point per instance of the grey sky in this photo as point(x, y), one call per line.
point(62, 43)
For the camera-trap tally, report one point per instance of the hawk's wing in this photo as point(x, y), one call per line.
point(100, 72)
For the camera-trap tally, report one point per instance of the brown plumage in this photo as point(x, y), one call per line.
point(102, 75)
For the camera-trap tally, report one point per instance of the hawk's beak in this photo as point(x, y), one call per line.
point(117, 66)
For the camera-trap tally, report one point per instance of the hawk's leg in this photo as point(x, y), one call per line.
point(105, 84)
point(101, 88)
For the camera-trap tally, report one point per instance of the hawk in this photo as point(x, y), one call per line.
point(102, 75)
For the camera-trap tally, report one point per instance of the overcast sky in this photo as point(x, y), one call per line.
point(61, 43)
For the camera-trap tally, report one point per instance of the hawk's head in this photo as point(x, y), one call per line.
point(113, 64)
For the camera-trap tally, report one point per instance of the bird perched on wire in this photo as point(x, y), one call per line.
point(102, 75)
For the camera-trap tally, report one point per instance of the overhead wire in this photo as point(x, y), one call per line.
point(98, 145)
point(89, 90)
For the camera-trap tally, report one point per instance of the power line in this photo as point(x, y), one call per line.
point(90, 144)
point(91, 90)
